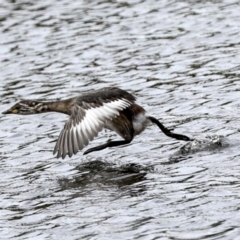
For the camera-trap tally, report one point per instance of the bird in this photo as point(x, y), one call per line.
point(110, 107)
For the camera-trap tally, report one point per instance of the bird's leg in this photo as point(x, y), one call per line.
point(107, 144)
point(167, 132)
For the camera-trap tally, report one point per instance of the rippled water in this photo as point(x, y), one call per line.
point(172, 55)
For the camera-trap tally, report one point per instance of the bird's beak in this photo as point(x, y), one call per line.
point(9, 111)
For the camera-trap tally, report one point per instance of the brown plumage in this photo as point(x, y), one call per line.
point(110, 108)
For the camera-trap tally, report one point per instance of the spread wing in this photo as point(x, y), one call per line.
point(85, 122)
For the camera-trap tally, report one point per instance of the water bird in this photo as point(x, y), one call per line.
point(111, 108)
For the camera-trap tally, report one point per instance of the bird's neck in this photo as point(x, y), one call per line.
point(63, 106)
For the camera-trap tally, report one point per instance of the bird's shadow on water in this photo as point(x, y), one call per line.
point(101, 175)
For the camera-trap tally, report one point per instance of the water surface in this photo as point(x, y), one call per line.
point(173, 56)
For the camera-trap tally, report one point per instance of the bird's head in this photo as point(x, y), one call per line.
point(26, 107)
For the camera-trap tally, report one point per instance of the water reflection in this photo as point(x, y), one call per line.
point(105, 174)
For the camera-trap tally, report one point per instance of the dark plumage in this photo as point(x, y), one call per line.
point(110, 108)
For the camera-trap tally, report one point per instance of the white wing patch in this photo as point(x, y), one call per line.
point(79, 131)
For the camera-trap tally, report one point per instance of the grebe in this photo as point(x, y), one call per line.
point(111, 108)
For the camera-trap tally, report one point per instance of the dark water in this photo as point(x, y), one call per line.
point(172, 55)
